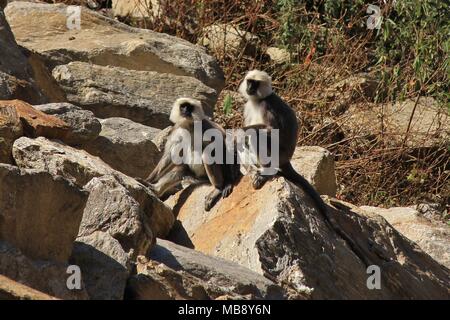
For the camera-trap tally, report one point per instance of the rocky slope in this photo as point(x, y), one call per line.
point(84, 114)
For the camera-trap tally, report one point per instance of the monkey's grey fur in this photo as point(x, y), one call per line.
point(167, 176)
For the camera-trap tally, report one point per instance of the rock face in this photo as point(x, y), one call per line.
point(84, 127)
point(46, 276)
point(104, 265)
point(16, 75)
point(142, 96)
point(10, 130)
point(43, 78)
point(316, 164)
point(80, 167)
point(278, 232)
point(121, 140)
point(36, 123)
point(161, 138)
point(135, 9)
point(32, 219)
point(111, 209)
point(432, 237)
point(11, 290)
point(176, 272)
point(103, 41)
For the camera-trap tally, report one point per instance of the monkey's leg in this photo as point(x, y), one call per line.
point(215, 176)
point(170, 181)
point(164, 165)
point(261, 174)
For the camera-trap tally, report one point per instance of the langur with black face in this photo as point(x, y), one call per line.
point(185, 159)
point(266, 112)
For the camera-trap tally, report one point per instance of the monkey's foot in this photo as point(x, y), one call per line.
point(259, 180)
point(212, 198)
point(227, 190)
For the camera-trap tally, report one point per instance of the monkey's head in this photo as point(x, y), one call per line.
point(186, 109)
point(256, 85)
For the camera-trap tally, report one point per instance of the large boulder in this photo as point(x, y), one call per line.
point(43, 78)
point(103, 264)
point(47, 276)
point(36, 123)
point(316, 164)
point(12, 290)
point(352, 89)
point(121, 140)
point(278, 231)
point(227, 39)
point(10, 130)
point(136, 9)
point(433, 237)
point(84, 127)
point(80, 167)
point(277, 55)
point(16, 75)
point(104, 41)
point(174, 272)
point(39, 213)
point(142, 96)
point(111, 209)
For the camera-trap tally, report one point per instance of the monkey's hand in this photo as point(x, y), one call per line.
point(259, 180)
point(212, 199)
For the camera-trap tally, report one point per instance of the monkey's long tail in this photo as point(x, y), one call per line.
point(288, 172)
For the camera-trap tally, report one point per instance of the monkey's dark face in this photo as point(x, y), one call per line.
point(186, 110)
point(252, 87)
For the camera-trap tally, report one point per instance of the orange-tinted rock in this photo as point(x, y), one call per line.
point(36, 123)
point(279, 232)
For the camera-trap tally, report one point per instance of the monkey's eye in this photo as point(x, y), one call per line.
point(186, 109)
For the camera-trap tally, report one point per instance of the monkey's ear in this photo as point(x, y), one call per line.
point(175, 115)
point(243, 88)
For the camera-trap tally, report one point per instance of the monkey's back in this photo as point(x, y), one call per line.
point(282, 116)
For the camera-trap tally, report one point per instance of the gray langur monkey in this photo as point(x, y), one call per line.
point(167, 175)
point(265, 111)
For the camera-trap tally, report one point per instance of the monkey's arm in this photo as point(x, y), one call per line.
point(164, 165)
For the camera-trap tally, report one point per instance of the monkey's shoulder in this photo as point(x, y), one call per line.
point(279, 115)
point(208, 124)
point(274, 103)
